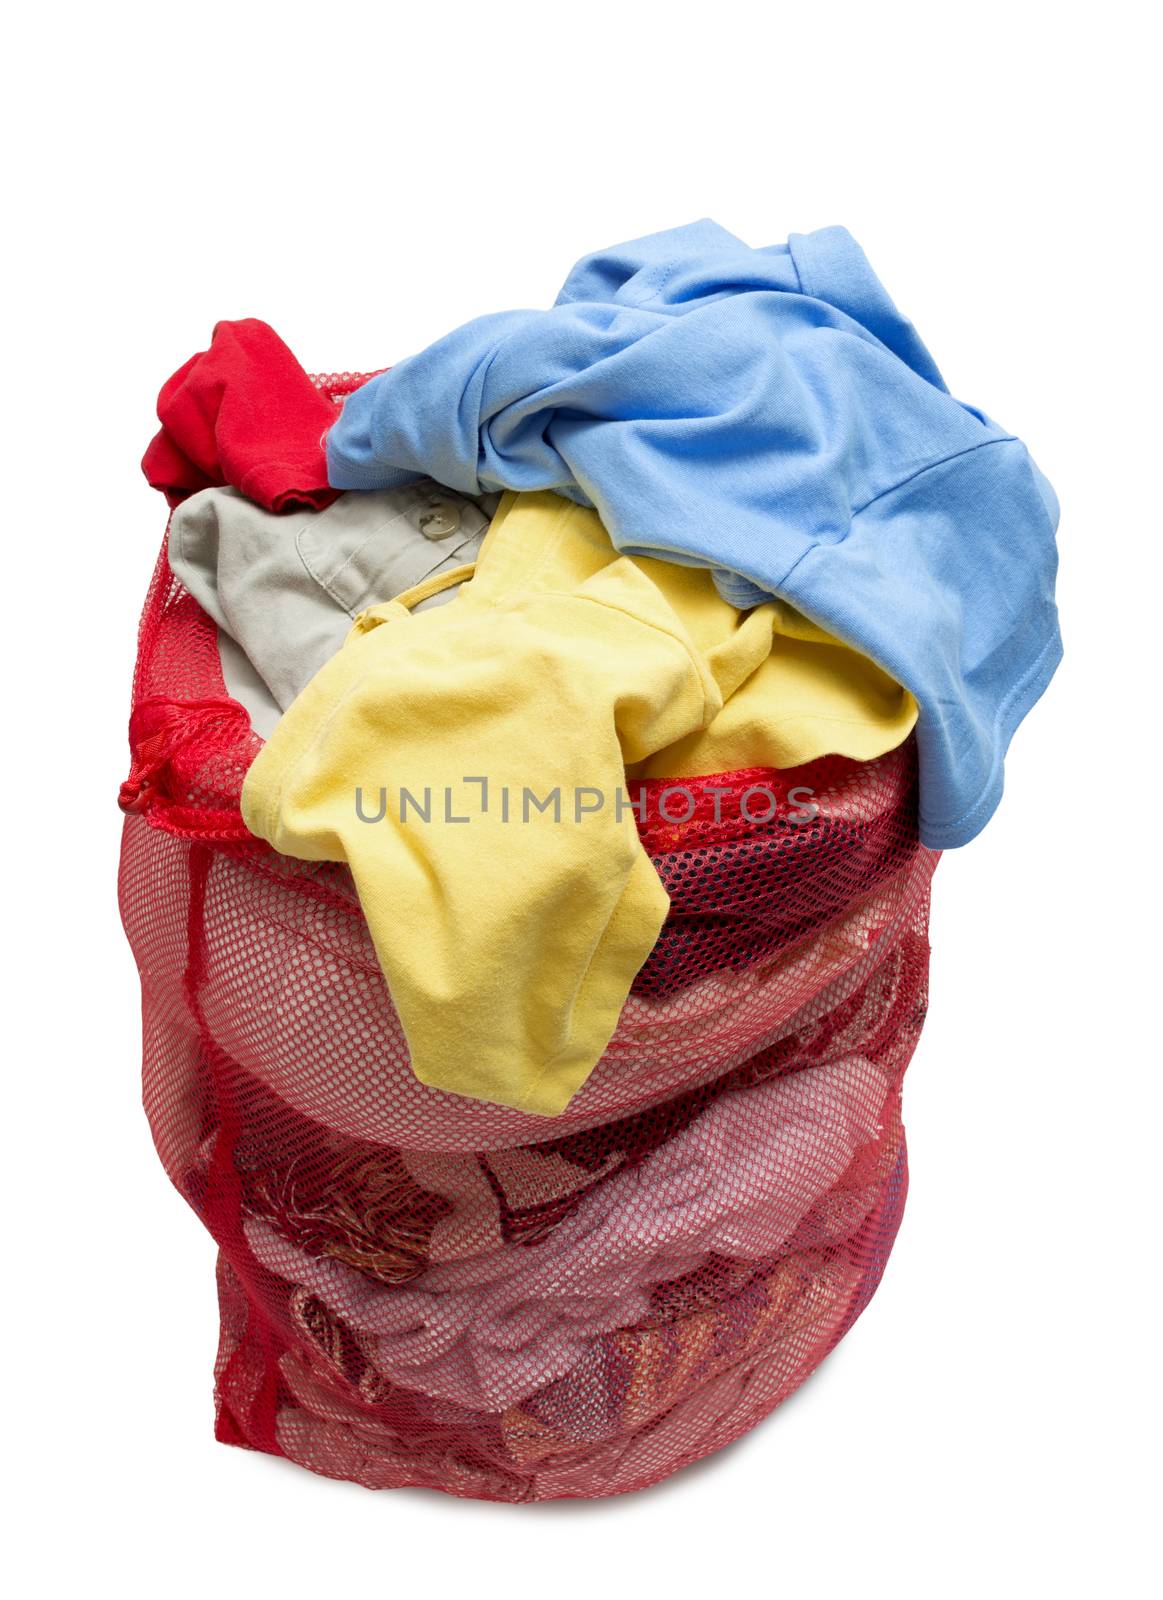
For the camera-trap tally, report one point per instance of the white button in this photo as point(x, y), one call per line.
point(439, 519)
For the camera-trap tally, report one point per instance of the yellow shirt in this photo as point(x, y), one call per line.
point(428, 752)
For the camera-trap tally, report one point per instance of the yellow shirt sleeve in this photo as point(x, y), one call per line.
point(508, 939)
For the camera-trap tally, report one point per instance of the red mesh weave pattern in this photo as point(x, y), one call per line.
point(419, 1289)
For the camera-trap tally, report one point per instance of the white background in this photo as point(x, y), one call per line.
point(364, 179)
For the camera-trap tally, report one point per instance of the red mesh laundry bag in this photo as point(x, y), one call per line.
point(416, 1288)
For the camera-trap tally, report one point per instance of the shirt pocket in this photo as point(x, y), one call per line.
point(367, 548)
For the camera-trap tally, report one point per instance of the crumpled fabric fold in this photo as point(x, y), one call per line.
point(243, 413)
point(498, 861)
point(486, 1332)
point(771, 415)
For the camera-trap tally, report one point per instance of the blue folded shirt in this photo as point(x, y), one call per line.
point(768, 414)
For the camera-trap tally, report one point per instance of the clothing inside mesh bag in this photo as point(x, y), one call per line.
point(420, 1289)
point(537, 1317)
